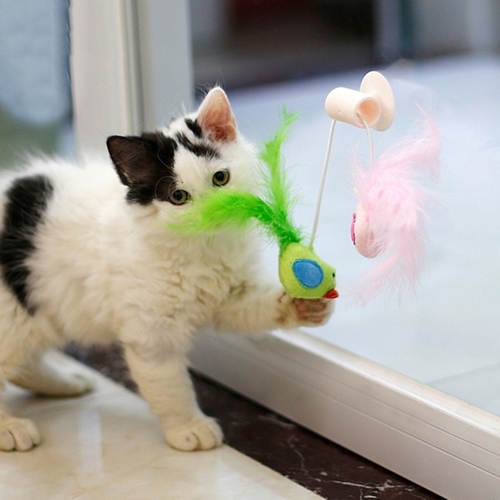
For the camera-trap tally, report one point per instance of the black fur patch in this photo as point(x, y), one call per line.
point(145, 164)
point(194, 126)
point(198, 149)
point(27, 200)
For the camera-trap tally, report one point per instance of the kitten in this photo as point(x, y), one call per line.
point(85, 255)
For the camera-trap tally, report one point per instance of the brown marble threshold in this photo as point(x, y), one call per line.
point(319, 465)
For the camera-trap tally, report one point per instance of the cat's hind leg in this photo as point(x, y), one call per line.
point(49, 374)
point(18, 434)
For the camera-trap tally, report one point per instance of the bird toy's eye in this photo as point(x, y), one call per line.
point(220, 178)
point(179, 197)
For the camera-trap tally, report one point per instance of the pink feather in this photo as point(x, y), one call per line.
point(391, 213)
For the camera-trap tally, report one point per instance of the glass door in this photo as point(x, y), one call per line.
point(411, 386)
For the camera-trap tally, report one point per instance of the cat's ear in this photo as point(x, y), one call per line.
point(133, 158)
point(215, 116)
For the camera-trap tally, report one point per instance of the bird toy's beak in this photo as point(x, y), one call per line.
point(332, 294)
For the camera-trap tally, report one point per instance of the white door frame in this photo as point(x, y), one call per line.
point(131, 66)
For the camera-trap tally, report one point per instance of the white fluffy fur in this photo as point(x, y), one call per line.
point(107, 270)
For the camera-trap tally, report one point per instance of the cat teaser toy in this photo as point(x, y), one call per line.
point(389, 215)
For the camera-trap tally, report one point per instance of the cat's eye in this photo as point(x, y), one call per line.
point(220, 178)
point(179, 197)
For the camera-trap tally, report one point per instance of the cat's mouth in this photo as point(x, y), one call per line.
point(332, 294)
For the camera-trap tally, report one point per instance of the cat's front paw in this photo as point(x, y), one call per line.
point(18, 434)
point(313, 312)
point(305, 312)
point(203, 433)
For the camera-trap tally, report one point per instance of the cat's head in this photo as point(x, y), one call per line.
point(169, 168)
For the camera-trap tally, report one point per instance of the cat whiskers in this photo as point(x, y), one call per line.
point(159, 158)
point(166, 177)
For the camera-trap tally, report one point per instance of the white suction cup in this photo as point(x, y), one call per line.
point(373, 103)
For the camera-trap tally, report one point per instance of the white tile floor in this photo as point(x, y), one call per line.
point(448, 336)
point(107, 445)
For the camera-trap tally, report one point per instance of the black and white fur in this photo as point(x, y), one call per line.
point(85, 255)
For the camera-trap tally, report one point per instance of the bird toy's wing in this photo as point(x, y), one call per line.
point(391, 213)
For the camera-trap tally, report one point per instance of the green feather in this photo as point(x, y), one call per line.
point(278, 190)
point(225, 206)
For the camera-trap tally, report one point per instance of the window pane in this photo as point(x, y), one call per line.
point(35, 102)
point(240, 43)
